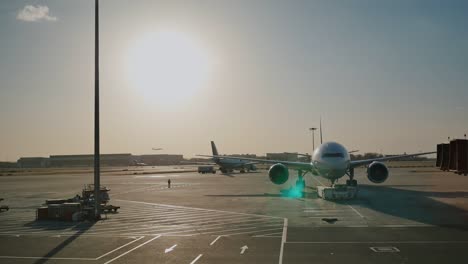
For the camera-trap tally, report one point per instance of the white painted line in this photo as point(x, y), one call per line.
point(16, 257)
point(271, 234)
point(317, 180)
point(197, 258)
point(243, 249)
point(125, 253)
point(214, 241)
point(129, 243)
point(385, 249)
point(169, 249)
point(210, 232)
point(57, 258)
point(379, 242)
point(283, 240)
point(354, 209)
point(194, 208)
point(249, 232)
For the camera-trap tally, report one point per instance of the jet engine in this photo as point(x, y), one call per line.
point(278, 173)
point(377, 172)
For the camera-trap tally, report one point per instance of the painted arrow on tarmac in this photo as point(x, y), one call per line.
point(243, 249)
point(170, 249)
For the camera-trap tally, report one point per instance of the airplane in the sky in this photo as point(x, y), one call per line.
point(330, 160)
point(227, 164)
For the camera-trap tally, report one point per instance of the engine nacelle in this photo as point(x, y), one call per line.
point(278, 173)
point(377, 172)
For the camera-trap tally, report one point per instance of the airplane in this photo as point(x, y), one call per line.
point(330, 160)
point(136, 163)
point(227, 165)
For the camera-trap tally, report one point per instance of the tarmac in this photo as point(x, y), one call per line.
point(419, 215)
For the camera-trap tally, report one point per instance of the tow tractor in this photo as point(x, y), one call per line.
point(88, 198)
point(77, 208)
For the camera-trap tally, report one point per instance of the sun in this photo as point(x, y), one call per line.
point(168, 67)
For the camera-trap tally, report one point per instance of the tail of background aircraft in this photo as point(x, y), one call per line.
point(214, 149)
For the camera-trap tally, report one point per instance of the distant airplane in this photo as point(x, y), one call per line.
point(330, 160)
point(136, 163)
point(227, 164)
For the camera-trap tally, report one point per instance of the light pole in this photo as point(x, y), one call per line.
point(97, 160)
point(313, 140)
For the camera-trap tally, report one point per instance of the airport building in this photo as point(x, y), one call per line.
point(87, 160)
point(160, 159)
point(253, 156)
point(33, 162)
point(6, 164)
point(282, 156)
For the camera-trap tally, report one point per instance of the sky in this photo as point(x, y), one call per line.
point(384, 76)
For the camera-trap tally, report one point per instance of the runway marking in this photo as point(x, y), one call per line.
point(283, 239)
point(170, 249)
point(277, 234)
point(317, 180)
point(243, 249)
point(60, 258)
point(153, 187)
point(250, 232)
point(379, 242)
point(146, 219)
point(112, 251)
point(51, 258)
point(354, 209)
point(214, 241)
point(125, 253)
point(195, 208)
point(357, 212)
point(385, 249)
point(195, 260)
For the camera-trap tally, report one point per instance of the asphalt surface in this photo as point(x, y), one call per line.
point(419, 215)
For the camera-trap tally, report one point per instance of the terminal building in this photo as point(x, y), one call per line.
point(87, 160)
point(33, 162)
point(286, 156)
point(160, 159)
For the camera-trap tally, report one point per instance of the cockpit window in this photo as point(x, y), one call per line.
point(333, 155)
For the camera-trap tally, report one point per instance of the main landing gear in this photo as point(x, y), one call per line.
point(351, 181)
point(300, 182)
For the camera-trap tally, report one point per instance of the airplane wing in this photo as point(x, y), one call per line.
point(291, 164)
point(198, 163)
point(357, 163)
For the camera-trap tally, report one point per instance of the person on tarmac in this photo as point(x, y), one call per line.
point(169, 183)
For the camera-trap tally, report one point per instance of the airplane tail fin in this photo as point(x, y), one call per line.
point(321, 140)
point(214, 149)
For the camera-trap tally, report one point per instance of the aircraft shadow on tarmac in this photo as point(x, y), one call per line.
point(415, 205)
point(283, 193)
point(81, 228)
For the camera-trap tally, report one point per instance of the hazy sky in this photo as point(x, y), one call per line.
point(385, 76)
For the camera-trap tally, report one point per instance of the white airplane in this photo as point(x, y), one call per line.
point(330, 160)
point(136, 163)
point(227, 164)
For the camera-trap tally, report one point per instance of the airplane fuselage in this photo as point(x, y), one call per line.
point(233, 164)
point(331, 160)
